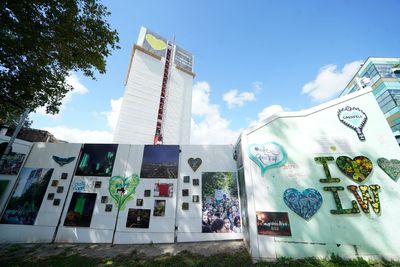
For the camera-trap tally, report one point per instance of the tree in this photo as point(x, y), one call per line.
point(41, 42)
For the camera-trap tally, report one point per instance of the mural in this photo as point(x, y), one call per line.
point(63, 161)
point(195, 163)
point(12, 164)
point(305, 204)
point(354, 118)
point(339, 209)
point(267, 155)
point(390, 167)
point(96, 160)
point(27, 198)
point(366, 197)
point(324, 162)
point(160, 161)
point(80, 209)
point(159, 208)
point(163, 190)
point(138, 218)
point(123, 189)
point(356, 169)
point(273, 223)
point(221, 210)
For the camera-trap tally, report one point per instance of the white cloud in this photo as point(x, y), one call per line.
point(266, 112)
point(79, 89)
point(73, 135)
point(257, 86)
point(212, 128)
point(113, 114)
point(233, 99)
point(330, 81)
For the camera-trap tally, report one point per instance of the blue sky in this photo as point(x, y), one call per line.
point(252, 58)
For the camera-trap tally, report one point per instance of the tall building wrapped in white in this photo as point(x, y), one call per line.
point(157, 103)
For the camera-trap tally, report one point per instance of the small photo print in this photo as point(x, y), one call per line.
point(108, 207)
point(60, 189)
point(97, 184)
point(54, 183)
point(185, 205)
point(186, 179)
point(50, 196)
point(139, 202)
point(196, 182)
point(273, 223)
point(104, 199)
point(163, 189)
point(138, 218)
point(147, 193)
point(64, 176)
point(159, 208)
point(185, 192)
point(195, 198)
point(56, 202)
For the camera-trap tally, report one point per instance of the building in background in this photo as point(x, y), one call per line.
point(383, 75)
point(157, 103)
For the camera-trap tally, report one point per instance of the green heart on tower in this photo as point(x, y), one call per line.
point(155, 43)
point(123, 189)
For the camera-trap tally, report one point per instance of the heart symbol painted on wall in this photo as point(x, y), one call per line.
point(390, 167)
point(155, 43)
point(123, 189)
point(305, 203)
point(356, 169)
point(354, 118)
point(194, 163)
point(267, 155)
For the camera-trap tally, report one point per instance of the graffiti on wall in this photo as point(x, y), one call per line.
point(267, 155)
point(123, 189)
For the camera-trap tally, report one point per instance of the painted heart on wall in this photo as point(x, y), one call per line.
point(155, 43)
point(267, 155)
point(63, 161)
point(356, 169)
point(390, 167)
point(123, 189)
point(305, 203)
point(194, 163)
point(354, 118)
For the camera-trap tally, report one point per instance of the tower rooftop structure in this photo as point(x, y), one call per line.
point(157, 103)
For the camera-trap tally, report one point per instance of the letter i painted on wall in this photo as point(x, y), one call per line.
point(366, 197)
point(339, 208)
point(324, 162)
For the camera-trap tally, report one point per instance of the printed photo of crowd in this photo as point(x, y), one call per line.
point(220, 203)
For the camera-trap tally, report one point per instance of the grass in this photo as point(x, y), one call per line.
point(184, 258)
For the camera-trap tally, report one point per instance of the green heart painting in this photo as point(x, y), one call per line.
point(391, 167)
point(356, 169)
point(123, 189)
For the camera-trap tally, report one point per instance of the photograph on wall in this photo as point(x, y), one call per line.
point(220, 203)
point(80, 209)
point(12, 163)
point(243, 197)
point(3, 187)
point(159, 208)
point(138, 218)
point(163, 190)
point(96, 160)
point(27, 198)
point(273, 223)
point(160, 161)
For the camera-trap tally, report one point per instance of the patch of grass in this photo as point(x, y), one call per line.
point(185, 258)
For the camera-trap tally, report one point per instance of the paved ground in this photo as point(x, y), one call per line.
point(108, 251)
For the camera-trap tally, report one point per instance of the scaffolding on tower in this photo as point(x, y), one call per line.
point(158, 137)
